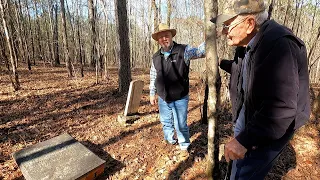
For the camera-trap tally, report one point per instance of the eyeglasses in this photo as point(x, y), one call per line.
point(226, 27)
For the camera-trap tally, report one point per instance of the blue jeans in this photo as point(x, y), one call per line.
point(173, 116)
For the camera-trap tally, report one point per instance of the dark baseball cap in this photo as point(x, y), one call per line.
point(237, 7)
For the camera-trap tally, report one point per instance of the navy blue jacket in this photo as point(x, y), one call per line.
point(277, 97)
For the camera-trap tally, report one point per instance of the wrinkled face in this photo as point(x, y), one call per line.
point(165, 40)
point(239, 30)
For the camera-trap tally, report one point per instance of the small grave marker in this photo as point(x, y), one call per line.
point(133, 102)
point(61, 157)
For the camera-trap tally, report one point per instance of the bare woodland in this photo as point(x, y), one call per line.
point(108, 42)
point(79, 33)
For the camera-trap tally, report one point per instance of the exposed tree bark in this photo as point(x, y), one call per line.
point(106, 40)
point(313, 47)
point(25, 39)
point(169, 11)
point(79, 41)
point(124, 69)
point(298, 2)
point(15, 80)
point(31, 33)
point(38, 34)
point(55, 36)
point(65, 39)
point(270, 9)
point(92, 16)
point(213, 76)
point(155, 23)
point(19, 33)
point(286, 15)
point(48, 31)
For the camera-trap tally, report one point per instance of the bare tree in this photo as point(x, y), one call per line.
point(65, 39)
point(169, 12)
point(213, 76)
point(15, 79)
point(124, 69)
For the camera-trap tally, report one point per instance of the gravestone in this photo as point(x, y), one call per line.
point(133, 102)
point(61, 157)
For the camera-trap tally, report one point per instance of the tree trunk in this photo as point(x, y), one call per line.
point(79, 40)
point(286, 15)
point(19, 33)
point(155, 23)
point(313, 47)
point(15, 79)
point(211, 10)
point(169, 11)
point(31, 34)
point(25, 34)
point(124, 70)
point(295, 14)
point(55, 37)
point(38, 34)
point(65, 39)
point(270, 9)
point(93, 32)
point(317, 76)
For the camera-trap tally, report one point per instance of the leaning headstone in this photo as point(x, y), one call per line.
point(133, 102)
point(61, 157)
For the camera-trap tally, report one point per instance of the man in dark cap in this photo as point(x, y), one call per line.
point(269, 87)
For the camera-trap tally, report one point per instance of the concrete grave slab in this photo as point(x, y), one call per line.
point(61, 157)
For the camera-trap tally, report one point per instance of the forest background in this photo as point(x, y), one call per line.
point(67, 65)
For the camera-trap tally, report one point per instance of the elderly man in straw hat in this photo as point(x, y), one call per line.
point(169, 79)
point(269, 87)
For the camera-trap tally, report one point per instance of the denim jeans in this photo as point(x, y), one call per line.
point(173, 116)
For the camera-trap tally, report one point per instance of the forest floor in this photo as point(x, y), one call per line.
point(51, 104)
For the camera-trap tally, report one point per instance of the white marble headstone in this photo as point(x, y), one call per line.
point(134, 97)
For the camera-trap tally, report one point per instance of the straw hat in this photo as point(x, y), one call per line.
point(162, 28)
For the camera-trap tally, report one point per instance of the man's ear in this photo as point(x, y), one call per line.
point(251, 25)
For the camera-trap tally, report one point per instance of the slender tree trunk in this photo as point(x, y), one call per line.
point(93, 32)
point(106, 40)
point(65, 39)
point(55, 37)
point(124, 70)
point(313, 20)
point(48, 31)
point(211, 10)
point(286, 15)
point(38, 34)
point(299, 20)
point(19, 33)
point(155, 23)
point(317, 76)
point(15, 79)
point(25, 39)
point(31, 34)
point(313, 47)
point(79, 40)
point(295, 14)
point(270, 9)
point(169, 11)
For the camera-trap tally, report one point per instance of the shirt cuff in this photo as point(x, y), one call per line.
point(152, 93)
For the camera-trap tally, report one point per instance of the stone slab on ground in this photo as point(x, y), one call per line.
point(134, 97)
point(61, 157)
